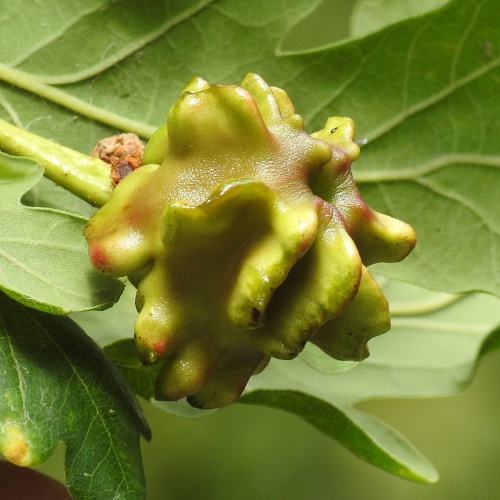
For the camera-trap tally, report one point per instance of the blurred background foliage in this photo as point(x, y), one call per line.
point(251, 452)
point(247, 452)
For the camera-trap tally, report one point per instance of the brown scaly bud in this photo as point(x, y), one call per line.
point(124, 152)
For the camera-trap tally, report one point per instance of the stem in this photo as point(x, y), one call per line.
point(31, 84)
point(84, 176)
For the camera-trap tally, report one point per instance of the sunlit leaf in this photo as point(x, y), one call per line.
point(57, 385)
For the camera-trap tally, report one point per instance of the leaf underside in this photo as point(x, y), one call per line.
point(43, 256)
point(424, 94)
point(432, 350)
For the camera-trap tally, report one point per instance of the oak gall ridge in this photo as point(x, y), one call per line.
point(246, 237)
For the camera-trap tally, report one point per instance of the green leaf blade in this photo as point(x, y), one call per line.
point(107, 27)
point(433, 349)
point(430, 351)
point(382, 446)
point(142, 378)
point(43, 256)
point(425, 94)
point(60, 387)
point(368, 16)
point(422, 91)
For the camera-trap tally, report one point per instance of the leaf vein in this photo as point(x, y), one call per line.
point(461, 43)
point(128, 49)
point(22, 386)
point(56, 35)
point(462, 201)
point(400, 117)
point(23, 267)
point(432, 166)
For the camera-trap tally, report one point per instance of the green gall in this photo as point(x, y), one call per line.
point(246, 238)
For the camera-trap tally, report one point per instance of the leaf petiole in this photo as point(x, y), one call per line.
point(84, 176)
point(31, 84)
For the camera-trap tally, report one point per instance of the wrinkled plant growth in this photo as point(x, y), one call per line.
point(247, 237)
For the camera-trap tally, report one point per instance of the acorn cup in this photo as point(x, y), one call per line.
point(246, 238)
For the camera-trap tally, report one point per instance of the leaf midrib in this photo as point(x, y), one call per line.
point(127, 51)
point(83, 385)
point(424, 104)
